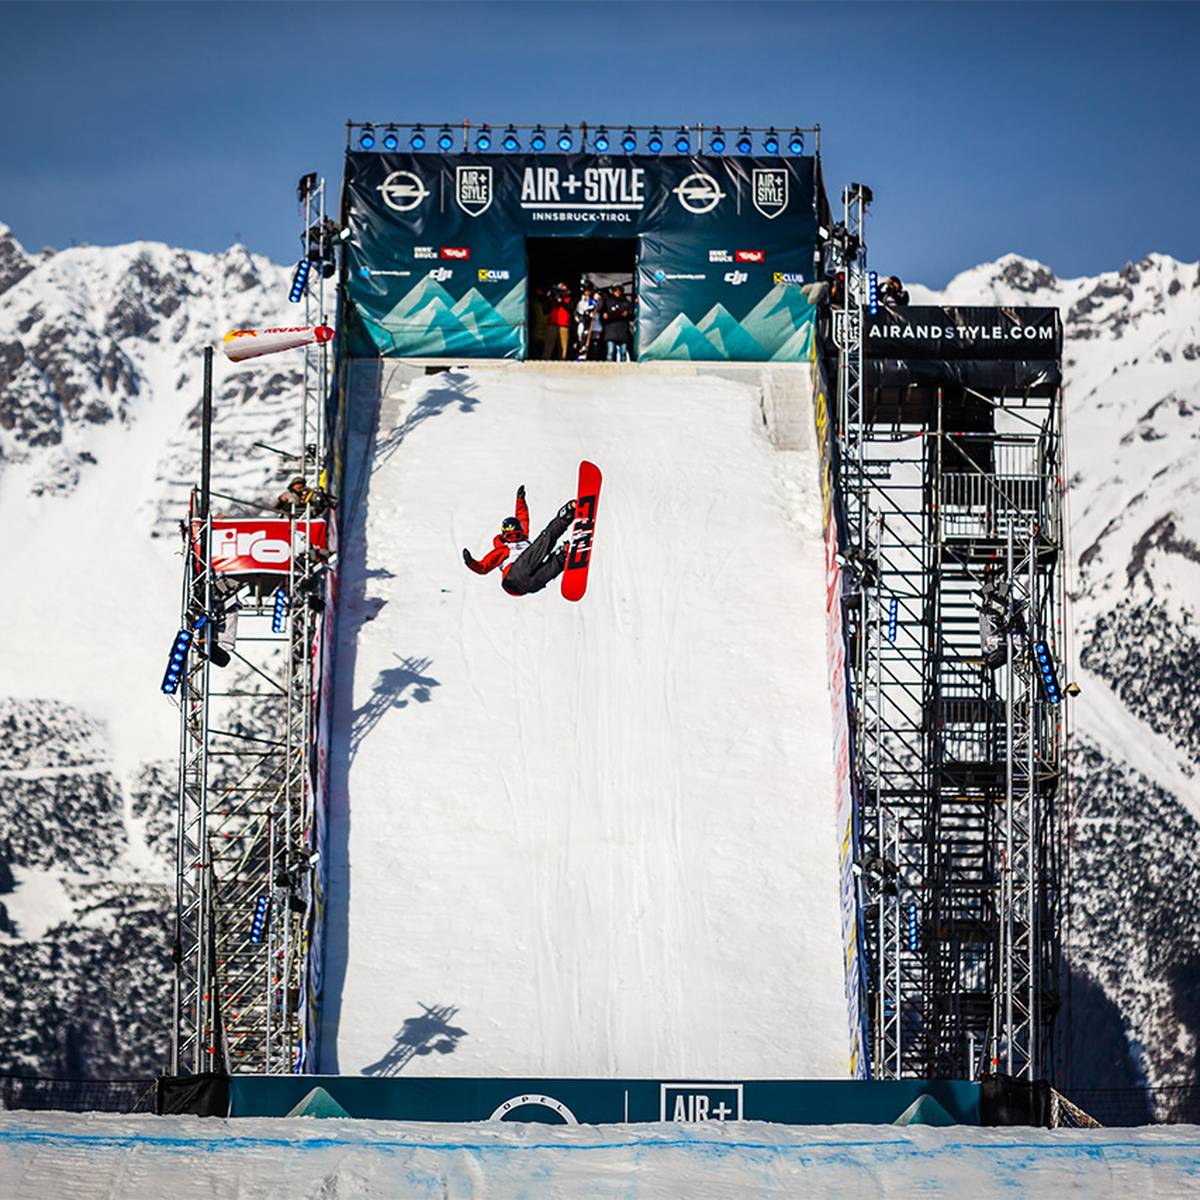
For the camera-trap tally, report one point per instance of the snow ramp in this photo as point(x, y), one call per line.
point(586, 839)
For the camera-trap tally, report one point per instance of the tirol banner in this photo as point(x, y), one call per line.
point(437, 261)
point(1006, 349)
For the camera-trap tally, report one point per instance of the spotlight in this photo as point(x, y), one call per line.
point(511, 141)
point(538, 140)
point(279, 616)
point(1049, 676)
point(299, 280)
point(796, 142)
point(417, 140)
point(629, 140)
point(175, 662)
point(445, 139)
point(716, 141)
point(366, 139)
point(483, 139)
point(391, 139)
point(600, 141)
point(654, 143)
point(771, 141)
point(744, 143)
point(683, 143)
point(564, 139)
point(259, 925)
point(872, 292)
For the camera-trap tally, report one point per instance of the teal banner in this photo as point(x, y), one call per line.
point(437, 262)
point(605, 1101)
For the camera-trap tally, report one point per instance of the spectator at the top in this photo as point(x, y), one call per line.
point(617, 315)
point(892, 293)
point(558, 321)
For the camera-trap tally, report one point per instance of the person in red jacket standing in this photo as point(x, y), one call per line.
point(558, 321)
point(525, 566)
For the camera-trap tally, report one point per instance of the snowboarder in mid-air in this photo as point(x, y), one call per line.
point(525, 566)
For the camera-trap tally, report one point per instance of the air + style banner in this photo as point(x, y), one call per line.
point(437, 264)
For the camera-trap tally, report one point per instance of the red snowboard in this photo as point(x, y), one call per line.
point(587, 500)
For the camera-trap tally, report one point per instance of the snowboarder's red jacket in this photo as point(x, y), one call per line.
point(505, 549)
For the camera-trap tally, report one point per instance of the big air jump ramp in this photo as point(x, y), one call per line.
point(595, 839)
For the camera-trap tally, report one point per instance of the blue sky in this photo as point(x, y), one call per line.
point(1067, 132)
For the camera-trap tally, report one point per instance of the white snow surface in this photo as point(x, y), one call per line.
point(89, 1157)
point(595, 838)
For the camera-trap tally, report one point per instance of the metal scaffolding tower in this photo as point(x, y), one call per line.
point(246, 828)
point(954, 535)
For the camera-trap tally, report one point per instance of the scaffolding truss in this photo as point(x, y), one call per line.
point(247, 833)
point(954, 533)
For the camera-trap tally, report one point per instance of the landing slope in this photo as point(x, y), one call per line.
point(585, 839)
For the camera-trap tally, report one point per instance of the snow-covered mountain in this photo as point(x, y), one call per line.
point(99, 388)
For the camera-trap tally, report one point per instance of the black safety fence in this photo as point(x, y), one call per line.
point(1116, 1107)
point(77, 1095)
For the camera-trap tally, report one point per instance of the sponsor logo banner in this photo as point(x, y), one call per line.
point(493, 276)
point(473, 189)
point(441, 274)
point(920, 332)
point(424, 252)
point(459, 253)
point(719, 256)
point(754, 256)
point(402, 191)
point(770, 191)
point(788, 277)
point(689, 1102)
point(737, 278)
point(252, 547)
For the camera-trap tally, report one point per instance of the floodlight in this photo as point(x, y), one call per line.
point(683, 143)
point(366, 139)
point(445, 139)
point(511, 141)
point(564, 139)
point(483, 139)
point(629, 140)
point(654, 143)
point(716, 141)
point(744, 143)
point(771, 141)
point(796, 142)
point(417, 140)
point(600, 141)
point(538, 140)
point(391, 139)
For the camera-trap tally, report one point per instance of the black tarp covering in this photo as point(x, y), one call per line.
point(1004, 1100)
point(996, 351)
point(202, 1095)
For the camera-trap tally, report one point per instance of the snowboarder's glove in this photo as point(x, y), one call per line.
point(467, 556)
point(567, 510)
point(521, 492)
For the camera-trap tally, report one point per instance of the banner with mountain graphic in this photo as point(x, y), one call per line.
point(436, 260)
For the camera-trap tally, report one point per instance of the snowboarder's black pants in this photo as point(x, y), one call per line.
point(540, 563)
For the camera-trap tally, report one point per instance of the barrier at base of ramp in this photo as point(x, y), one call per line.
point(607, 1101)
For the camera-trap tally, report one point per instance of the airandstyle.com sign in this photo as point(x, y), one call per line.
point(436, 260)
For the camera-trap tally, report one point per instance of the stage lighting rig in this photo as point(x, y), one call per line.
point(483, 139)
point(417, 138)
point(511, 142)
point(445, 139)
point(683, 143)
point(654, 143)
point(600, 141)
point(366, 139)
point(771, 141)
point(796, 142)
point(538, 139)
point(629, 140)
point(391, 139)
point(716, 141)
point(565, 140)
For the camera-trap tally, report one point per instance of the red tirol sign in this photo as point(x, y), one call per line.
point(255, 547)
point(750, 256)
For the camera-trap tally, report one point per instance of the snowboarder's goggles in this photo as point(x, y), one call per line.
point(510, 525)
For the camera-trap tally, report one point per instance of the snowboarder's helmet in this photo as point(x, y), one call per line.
point(510, 525)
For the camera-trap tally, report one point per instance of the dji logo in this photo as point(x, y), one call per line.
point(736, 277)
point(441, 274)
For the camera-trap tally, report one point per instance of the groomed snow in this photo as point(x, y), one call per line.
point(593, 839)
point(89, 1157)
